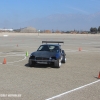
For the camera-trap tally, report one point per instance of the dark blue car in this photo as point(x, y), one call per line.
point(48, 54)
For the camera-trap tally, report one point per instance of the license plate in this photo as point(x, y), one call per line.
point(42, 62)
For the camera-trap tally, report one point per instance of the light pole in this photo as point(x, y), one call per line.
point(38, 32)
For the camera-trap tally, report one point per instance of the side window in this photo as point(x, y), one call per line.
point(62, 51)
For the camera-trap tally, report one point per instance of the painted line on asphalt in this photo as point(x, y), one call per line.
point(5, 35)
point(16, 61)
point(69, 50)
point(14, 55)
point(65, 93)
point(75, 50)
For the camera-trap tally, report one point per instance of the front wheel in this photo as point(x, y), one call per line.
point(57, 64)
point(31, 63)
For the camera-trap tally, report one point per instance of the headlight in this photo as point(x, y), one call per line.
point(32, 57)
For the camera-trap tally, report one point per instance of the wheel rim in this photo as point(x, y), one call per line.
point(59, 63)
point(65, 59)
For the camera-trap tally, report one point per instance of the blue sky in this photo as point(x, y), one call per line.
point(50, 14)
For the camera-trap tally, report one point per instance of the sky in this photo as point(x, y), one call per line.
point(50, 14)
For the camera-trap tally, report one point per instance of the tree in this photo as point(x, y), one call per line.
point(99, 29)
point(93, 30)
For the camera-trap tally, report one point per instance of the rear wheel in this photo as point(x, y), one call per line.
point(63, 59)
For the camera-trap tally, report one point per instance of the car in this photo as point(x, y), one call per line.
point(48, 53)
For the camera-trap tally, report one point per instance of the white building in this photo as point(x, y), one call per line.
point(6, 29)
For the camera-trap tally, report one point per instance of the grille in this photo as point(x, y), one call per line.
point(41, 58)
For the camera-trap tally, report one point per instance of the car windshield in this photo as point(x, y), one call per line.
point(48, 48)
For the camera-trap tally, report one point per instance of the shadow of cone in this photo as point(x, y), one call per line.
point(4, 61)
point(80, 49)
point(99, 76)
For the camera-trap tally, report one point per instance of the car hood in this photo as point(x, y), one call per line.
point(44, 54)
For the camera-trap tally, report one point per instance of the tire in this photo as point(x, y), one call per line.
point(63, 59)
point(31, 63)
point(57, 64)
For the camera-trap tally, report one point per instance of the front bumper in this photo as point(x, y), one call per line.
point(42, 61)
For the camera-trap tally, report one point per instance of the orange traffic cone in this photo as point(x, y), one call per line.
point(80, 49)
point(4, 61)
point(99, 76)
